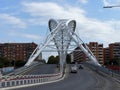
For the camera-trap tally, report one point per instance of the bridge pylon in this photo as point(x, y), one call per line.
point(63, 37)
point(62, 32)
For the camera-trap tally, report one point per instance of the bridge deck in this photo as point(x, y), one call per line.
point(85, 79)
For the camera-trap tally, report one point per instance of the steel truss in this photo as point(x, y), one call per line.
point(62, 32)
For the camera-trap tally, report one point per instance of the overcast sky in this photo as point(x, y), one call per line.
point(27, 20)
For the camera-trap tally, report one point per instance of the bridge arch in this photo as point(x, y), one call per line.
point(62, 32)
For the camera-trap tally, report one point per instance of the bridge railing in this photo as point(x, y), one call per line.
point(23, 69)
point(22, 80)
point(104, 70)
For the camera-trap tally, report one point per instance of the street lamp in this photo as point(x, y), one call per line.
point(111, 6)
point(112, 69)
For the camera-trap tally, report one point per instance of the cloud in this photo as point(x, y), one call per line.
point(95, 30)
point(24, 35)
point(54, 10)
point(12, 20)
point(106, 3)
point(83, 1)
point(89, 28)
point(111, 2)
point(31, 36)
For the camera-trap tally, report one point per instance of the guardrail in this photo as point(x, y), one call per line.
point(104, 70)
point(23, 69)
point(22, 80)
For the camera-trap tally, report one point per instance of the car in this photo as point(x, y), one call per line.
point(74, 69)
point(80, 67)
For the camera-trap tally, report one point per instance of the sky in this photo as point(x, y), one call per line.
point(27, 20)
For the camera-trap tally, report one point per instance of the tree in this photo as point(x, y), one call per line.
point(68, 59)
point(57, 59)
point(114, 61)
point(20, 63)
point(53, 60)
point(4, 62)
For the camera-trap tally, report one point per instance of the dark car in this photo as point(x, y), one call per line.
point(80, 67)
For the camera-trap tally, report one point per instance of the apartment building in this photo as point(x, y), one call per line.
point(114, 50)
point(97, 50)
point(78, 55)
point(1, 50)
point(106, 55)
point(17, 51)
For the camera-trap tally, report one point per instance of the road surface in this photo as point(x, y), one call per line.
point(85, 79)
point(42, 69)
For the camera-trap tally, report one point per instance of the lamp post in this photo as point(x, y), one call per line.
point(111, 6)
point(112, 69)
point(118, 66)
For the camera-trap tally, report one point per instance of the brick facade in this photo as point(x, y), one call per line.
point(97, 50)
point(17, 51)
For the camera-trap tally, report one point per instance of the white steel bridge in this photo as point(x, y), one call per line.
point(62, 34)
